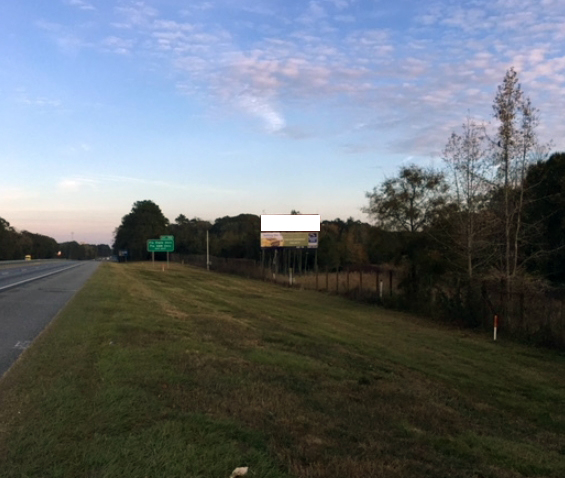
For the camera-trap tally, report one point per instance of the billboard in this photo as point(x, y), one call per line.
point(289, 239)
point(290, 222)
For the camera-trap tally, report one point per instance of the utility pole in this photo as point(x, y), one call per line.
point(207, 251)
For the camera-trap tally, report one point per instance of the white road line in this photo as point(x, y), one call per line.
point(22, 345)
point(15, 284)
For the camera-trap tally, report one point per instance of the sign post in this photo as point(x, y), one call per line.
point(172, 239)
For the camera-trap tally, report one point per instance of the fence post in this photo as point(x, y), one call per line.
point(381, 290)
point(360, 282)
point(327, 279)
point(522, 322)
point(562, 338)
point(502, 301)
point(348, 280)
point(316, 277)
point(337, 280)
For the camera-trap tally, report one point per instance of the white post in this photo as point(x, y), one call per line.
point(495, 326)
point(290, 275)
point(207, 252)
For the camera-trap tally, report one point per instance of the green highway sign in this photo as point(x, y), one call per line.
point(161, 245)
point(167, 238)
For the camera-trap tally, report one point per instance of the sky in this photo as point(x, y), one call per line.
point(220, 107)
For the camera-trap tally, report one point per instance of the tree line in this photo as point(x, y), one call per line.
point(15, 245)
point(341, 243)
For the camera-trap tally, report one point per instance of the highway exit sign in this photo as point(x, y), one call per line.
point(161, 245)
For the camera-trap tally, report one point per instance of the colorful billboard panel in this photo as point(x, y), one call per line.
point(289, 239)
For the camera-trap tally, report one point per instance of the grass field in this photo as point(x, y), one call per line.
point(186, 373)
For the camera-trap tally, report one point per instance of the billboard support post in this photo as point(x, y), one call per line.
point(207, 251)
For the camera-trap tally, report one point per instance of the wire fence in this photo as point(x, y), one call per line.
point(526, 311)
point(366, 282)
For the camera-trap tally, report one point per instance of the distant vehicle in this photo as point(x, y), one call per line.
point(28, 258)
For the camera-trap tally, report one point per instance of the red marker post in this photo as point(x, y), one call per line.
point(495, 325)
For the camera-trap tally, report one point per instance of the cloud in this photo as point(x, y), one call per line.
point(314, 13)
point(136, 14)
point(74, 184)
point(68, 40)
point(81, 4)
point(120, 46)
point(71, 185)
point(37, 101)
point(447, 59)
point(77, 149)
point(263, 109)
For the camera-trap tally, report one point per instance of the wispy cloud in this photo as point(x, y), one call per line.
point(265, 60)
point(263, 109)
point(76, 184)
point(66, 38)
point(136, 14)
point(121, 46)
point(24, 98)
point(81, 4)
point(99, 182)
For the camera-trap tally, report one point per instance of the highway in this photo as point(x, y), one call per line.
point(31, 295)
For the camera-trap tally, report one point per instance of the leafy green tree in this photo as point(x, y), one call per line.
point(409, 201)
point(39, 246)
point(545, 208)
point(9, 247)
point(145, 221)
point(236, 236)
point(190, 235)
point(408, 204)
point(103, 250)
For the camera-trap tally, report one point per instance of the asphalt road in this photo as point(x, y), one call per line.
point(26, 308)
point(16, 273)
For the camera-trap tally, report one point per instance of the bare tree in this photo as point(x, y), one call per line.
point(516, 147)
point(470, 176)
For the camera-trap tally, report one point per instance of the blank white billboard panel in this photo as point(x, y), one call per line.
point(290, 222)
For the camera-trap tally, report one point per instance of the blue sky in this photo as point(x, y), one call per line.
point(220, 107)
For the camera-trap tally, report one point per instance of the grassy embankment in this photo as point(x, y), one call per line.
point(186, 373)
